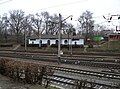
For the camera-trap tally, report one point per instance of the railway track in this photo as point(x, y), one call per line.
point(71, 82)
point(85, 72)
point(68, 83)
point(93, 62)
point(66, 53)
point(81, 55)
point(69, 76)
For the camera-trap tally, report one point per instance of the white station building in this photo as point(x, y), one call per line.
point(53, 39)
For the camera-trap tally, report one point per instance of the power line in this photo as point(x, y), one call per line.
point(5, 2)
point(80, 1)
point(101, 16)
point(1, 0)
point(65, 4)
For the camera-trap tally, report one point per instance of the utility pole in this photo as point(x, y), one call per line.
point(71, 41)
point(59, 34)
point(39, 39)
point(40, 34)
point(25, 41)
point(59, 40)
point(86, 35)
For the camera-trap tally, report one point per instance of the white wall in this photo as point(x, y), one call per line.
point(53, 41)
point(44, 41)
point(36, 41)
point(78, 42)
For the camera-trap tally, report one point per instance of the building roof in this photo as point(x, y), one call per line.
point(49, 36)
point(114, 34)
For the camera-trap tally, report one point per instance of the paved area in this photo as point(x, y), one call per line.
point(16, 47)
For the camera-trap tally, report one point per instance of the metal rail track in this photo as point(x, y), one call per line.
point(92, 73)
point(83, 55)
point(66, 53)
point(86, 72)
point(70, 70)
point(71, 82)
point(66, 60)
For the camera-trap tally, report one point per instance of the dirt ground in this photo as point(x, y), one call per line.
point(7, 83)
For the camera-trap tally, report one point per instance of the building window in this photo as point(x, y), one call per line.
point(65, 41)
point(56, 42)
point(32, 42)
point(75, 43)
point(40, 41)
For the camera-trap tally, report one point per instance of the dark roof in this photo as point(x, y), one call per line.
point(111, 34)
point(114, 34)
point(45, 36)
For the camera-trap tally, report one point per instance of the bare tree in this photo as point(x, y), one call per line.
point(86, 24)
point(46, 23)
point(45, 17)
point(105, 31)
point(36, 23)
point(1, 27)
point(4, 27)
point(16, 22)
point(28, 25)
point(67, 28)
point(53, 24)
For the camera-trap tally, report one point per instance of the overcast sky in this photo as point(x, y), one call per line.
point(65, 7)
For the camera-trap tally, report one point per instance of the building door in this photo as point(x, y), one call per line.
point(48, 42)
point(56, 42)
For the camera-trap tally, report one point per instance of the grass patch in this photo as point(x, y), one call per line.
point(52, 88)
point(111, 45)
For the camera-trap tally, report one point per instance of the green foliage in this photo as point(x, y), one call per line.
point(98, 38)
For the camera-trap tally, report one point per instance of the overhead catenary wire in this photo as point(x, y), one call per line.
point(101, 16)
point(1, 0)
point(70, 3)
point(5, 1)
point(60, 5)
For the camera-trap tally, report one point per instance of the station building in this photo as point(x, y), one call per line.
point(53, 39)
point(114, 37)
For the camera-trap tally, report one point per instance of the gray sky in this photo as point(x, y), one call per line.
point(65, 7)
